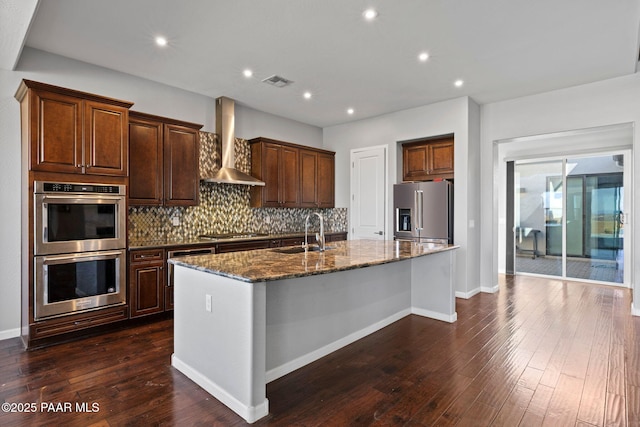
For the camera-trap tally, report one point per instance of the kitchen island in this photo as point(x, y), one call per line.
point(244, 319)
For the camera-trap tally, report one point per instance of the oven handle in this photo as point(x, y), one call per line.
point(80, 198)
point(84, 256)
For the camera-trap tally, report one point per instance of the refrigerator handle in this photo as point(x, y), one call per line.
point(418, 204)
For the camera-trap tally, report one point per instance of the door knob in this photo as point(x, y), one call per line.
point(380, 233)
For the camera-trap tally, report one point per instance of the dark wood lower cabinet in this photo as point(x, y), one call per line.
point(146, 282)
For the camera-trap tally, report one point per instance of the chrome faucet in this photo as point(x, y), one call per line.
point(319, 236)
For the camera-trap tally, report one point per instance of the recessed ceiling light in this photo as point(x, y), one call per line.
point(307, 95)
point(161, 41)
point(423, 57)
point(370, 14)
point(350, 111)
point(247, 73)
point(458, 83)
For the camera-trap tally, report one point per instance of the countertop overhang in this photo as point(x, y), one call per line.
point(271, 264)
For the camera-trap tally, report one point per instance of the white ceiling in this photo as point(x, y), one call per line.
point(502, 49)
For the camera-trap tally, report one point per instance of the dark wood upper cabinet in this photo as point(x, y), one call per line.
point(277, 164)
point(294, 175)
point(317, 179)
point(74, 132)
point(163, 161)
point(181, 175)
point(308, 178)
point(106, 139)
point(428, 159)
point(326, 180)
point(146, 152)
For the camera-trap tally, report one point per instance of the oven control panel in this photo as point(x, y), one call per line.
point(65, 187)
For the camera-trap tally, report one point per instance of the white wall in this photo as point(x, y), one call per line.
point(459, 116)
point(148, 96)
point(603, 103)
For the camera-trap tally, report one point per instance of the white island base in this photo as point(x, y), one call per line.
point(257, 332)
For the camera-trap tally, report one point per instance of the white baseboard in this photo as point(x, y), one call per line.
point(490, 290)
point(250, 413)
point(635, 311)
point(284, 369)
point(9, 333)
point(467, 295)
point(450, 318)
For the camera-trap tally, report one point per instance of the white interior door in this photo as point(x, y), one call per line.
point(368, 193)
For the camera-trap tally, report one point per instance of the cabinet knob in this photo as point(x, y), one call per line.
point(79, 166)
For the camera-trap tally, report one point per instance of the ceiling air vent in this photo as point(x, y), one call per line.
point(277, 81)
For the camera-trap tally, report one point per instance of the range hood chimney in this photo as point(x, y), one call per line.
point(225, 128)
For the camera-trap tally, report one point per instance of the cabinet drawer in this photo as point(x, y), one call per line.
point(77, 322)
point(146, 255)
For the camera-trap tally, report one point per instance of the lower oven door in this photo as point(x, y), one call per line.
point(72, 283)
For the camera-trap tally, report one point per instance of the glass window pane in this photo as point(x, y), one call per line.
point(538, 218)
point(601, 229)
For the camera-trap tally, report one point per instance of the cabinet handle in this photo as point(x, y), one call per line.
point(79, 166)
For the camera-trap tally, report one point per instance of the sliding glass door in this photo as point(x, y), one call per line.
point(538, 217)
point(569, 218)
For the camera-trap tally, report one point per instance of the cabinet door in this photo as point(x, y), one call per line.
point(145, 162)
point(317, 182)
point(106, 139)
point(146, 288)
point(415, 166)
point(289, 174)
point(181, 180)
point(308, 178)
point(271, 175)
point(441, 157)
point(326, 181)
point(56, 132)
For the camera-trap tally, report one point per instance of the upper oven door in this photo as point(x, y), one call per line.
point(79, 223)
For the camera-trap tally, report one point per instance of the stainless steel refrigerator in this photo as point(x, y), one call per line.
point(423, 211)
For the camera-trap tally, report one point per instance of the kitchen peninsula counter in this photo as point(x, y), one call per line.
point(244, 319)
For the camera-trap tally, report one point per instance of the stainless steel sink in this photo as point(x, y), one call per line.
point(299, 249)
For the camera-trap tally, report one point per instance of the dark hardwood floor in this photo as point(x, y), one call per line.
point(539, 352)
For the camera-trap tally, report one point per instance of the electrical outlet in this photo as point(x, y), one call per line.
point(175, 220)
point(207, 302)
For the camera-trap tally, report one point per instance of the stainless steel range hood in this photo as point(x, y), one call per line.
point(225, 128)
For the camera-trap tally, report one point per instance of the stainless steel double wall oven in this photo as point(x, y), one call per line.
point(79, 247)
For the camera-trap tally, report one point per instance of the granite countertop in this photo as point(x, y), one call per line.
point(147, 243)
point(272, 264)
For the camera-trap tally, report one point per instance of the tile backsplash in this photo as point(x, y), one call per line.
point(224, 208)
